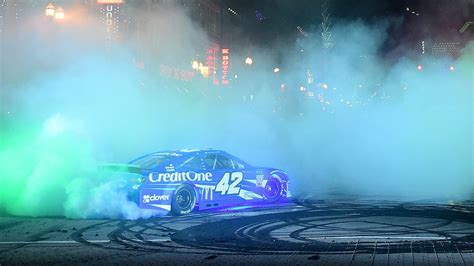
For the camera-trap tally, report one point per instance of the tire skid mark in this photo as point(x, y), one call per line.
point(253, 233)
point(33, 238)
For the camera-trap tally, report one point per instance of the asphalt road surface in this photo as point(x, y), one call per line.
point(312, 232)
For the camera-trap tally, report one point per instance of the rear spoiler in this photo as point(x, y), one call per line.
point(121, 168)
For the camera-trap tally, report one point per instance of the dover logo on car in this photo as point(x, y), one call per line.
point(151, 198)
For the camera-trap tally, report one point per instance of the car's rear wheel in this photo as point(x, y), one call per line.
point(184, 200)
point(272, 190)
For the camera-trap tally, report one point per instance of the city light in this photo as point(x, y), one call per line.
point(232, 11)
point(310, 77)
point(195, 65)
point(276, 70)
point(259, 15)
point(420, 67)
point(412, 11)
point(204, 71)
point(248, 61)
point(300, 29)
point(49, 12)
point(59, 13)
point(451, 68)
point(465, 26)
point(225, 66)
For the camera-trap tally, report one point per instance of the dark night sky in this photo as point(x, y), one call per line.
point(437, 17)
point(285, 15)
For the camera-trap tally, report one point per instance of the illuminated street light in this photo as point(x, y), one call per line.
point(204, 71)
point(276, 70)
point(49, 11)
point(248, 61)
point(195, 65)
point(59, 14)
point(420, 67)
point(451, 68)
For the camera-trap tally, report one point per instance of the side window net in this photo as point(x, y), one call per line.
point(210, 162)
point(220, 162)
point(193, 163)
point(223, 162)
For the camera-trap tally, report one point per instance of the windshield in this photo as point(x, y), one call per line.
point(153, 160)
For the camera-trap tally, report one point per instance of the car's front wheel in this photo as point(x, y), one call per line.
point(184, 200)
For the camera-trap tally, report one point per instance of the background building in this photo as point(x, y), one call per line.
point(150, 39)
point(438, 25)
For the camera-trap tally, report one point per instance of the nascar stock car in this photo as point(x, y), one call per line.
point(183, 180)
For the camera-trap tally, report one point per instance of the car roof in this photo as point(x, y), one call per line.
point(182, 152)
point(186, 153)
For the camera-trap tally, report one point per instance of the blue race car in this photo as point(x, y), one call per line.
point(179, 181)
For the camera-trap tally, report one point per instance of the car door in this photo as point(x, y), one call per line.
point(251, 185)
point(227, 180)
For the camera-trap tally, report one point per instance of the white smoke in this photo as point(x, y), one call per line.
point(376, 130)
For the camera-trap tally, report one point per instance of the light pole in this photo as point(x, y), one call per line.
point(247, 79)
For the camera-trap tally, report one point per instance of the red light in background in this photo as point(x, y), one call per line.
point(420, 67)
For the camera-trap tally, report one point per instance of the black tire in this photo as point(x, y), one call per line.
point(272, 190)
point(184, 200)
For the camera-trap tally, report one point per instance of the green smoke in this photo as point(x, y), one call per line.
point(49, 170)
point(36, 164)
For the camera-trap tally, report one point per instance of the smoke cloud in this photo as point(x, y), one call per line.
point(373, 129)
